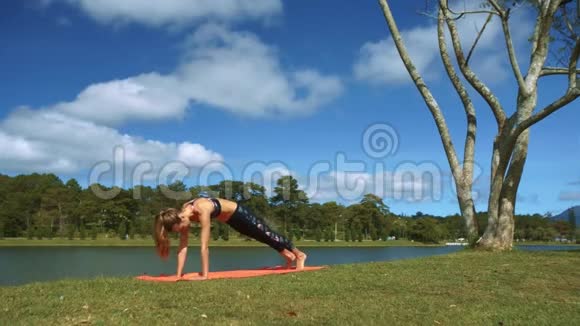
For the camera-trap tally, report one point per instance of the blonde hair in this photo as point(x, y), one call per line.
point(164, 222)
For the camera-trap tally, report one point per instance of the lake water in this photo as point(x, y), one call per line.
point(19, 265)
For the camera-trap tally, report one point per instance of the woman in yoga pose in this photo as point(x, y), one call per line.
point(202, 210)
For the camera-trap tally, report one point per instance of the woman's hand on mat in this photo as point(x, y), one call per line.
point(193, 277)
point(203, 277)
point(174, 278)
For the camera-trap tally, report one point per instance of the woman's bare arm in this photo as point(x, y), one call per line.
point(204, 221)
point(182, 252)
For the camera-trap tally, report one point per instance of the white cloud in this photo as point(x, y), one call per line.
point(569, 196)
point(173, 12)
point(232, 71)
point(195, 154)
point(407, 184)
point(17, 149)
point(226, 70)
point(50, 141)
point(146, 97)
point(236, 72)
point(380, 63)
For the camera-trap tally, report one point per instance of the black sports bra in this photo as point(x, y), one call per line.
point(217, 207)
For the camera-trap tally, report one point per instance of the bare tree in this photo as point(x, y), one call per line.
point(510, 146)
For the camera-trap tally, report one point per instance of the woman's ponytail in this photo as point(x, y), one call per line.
point(164, 222)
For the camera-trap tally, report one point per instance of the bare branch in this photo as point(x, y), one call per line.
point(567, 21)
point(477, 84)
point(557, 57)
point(427, 14)
point(536, 33)
point(540, 44)
point(572, 93)
point(478, 37)
point(459, 14)
point(469, 147)
point(573, 65)
point(423, 89)
point(497, 7)
point(468, 12)
point(570, 96)
point(511, 50)
point(504, 16)
point(547, 71)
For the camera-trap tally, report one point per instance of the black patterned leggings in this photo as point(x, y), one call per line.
point(243, 221)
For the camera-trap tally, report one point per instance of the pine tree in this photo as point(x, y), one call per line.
point(374, 234)
point(287, 198)
point(94, 232)
point(82, 231)
point(318, 234)
point(297, 234)
point(70, 231)
point(143, 228)
point(49, 233)
point(131, 230)
point(225, 233)
point(122, 230)
point(215, 232)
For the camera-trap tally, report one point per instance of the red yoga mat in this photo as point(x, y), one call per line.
point(241, 273)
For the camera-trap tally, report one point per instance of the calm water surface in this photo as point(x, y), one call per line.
point(20, 265)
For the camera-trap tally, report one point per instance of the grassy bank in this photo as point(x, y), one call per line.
point(466, 288)
point(112, 242)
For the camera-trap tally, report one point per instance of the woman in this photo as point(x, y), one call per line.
point(202, 210)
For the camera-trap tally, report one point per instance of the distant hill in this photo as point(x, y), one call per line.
point(564, 215)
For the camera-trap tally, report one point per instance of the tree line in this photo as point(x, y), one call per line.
point(43, 206)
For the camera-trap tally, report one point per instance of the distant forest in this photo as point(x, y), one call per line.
point(43, 206)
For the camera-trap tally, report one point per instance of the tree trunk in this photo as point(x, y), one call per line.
point(60, 220)
point(503, 194)
point(498, 168)
point(467, 208)
point(511, 143)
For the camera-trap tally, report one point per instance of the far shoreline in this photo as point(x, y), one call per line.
point(241, 243)
point(235, 243)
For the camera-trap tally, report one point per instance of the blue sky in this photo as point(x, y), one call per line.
point(260, 86)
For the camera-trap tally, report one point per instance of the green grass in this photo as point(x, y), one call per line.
point(465, 288)
point(112, 242)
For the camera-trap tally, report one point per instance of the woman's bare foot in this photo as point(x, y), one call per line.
point(289, 257)
point(300, 258)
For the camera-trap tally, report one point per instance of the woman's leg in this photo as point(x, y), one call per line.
point(288, 256)
point(300, 258)
point(252, 226)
